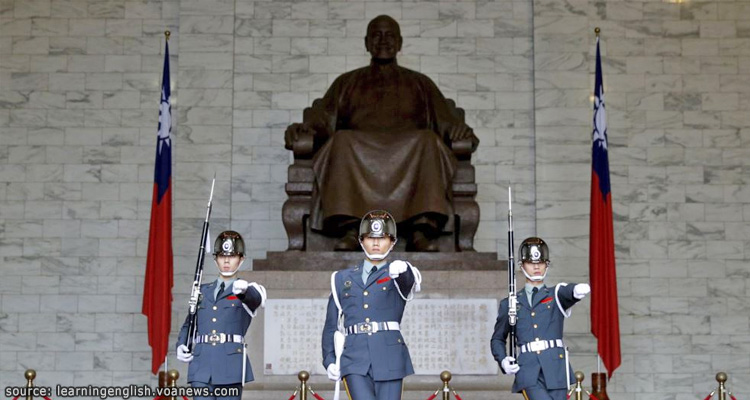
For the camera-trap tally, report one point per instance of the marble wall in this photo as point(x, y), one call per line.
point(79, 90)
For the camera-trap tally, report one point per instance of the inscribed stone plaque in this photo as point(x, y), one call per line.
point(442, 334)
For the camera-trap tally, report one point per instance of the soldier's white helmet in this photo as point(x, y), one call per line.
point(377, 224)
point(534, 250)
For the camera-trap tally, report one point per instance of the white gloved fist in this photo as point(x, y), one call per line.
point(508, 368)
point(334, 373)
point(397, 268)
point(239, 286)
point(183, 354)
point(581, 290)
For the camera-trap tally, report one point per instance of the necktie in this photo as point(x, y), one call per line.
point(533, 294)
point(370, 272)
point(221, 290)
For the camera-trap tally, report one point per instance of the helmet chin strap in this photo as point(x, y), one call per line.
point(229, 273)
point(535, 278)
point(377, 257)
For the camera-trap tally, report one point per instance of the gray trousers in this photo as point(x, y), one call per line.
point(539, 391)
point(360, 387)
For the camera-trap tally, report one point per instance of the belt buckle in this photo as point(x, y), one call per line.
point(537, 345)
point(214, 338)
point(364, 328)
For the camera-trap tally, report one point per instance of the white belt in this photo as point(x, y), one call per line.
point(373, 327)
point(219, 338)
point(541, 345)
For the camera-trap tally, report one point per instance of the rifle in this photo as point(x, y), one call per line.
point(195, 293)
point(512, 298)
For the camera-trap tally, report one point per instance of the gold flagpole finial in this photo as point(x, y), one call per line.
point(596, 31)
point(167, 34)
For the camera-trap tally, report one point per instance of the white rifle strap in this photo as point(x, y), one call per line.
point(567, 367)
point(565, 313)
point(244, 361)
point(417, 284)
point(335, 295)
point(340, 327)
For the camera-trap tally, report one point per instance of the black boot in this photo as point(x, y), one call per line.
point(422, 241)
point(348, 242)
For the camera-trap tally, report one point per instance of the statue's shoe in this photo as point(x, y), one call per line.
point(347, 243)
point(420, 242)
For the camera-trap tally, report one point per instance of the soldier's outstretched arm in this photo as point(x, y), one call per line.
point(564, 293)
point(498, 341)
point(254, 296)
point(406, 281)
point(331, 324)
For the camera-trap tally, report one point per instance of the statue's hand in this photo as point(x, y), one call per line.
point(460, 132)
point(294, 131)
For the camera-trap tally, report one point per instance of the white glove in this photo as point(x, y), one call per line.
point(510, 369)
point(581, 290)
point(239, 286)
point(334, 373)
point(397, 268)
point(183, 354)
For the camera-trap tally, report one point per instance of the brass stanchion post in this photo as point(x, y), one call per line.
point(446, 376)
point(579, 385)
point(303, 377)
point(721, 377)
point(30, 374)
point(172, 377)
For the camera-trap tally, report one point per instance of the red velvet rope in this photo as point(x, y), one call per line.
point(317, 396)
point(709, 396)
point(732, 396)
point(294, 395)
point(457, 396)
point(433, 396)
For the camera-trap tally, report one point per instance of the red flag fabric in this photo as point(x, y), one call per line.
point(157, 287)
point(605, 319)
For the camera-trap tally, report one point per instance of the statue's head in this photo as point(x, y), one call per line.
point(383, 40)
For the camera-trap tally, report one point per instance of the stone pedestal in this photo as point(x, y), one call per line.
point(302, 275)
point(333, 261)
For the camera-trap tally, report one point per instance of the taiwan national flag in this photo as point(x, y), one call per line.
point(157, 287)
point(605, 321)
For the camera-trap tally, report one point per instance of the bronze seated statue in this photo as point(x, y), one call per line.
point(382, 137)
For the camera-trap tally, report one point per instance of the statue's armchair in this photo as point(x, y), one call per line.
point(299, 188)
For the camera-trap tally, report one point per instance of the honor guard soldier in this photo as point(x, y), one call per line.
point(542, 370)
point(362, 342)
point(225, 310)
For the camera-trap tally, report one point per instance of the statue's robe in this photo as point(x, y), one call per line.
point(384, 129)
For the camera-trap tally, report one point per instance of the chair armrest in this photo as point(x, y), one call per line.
point(462, 148)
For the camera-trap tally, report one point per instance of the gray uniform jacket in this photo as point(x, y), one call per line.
point(376, 301)
point(221, 363)
point(542, 320)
